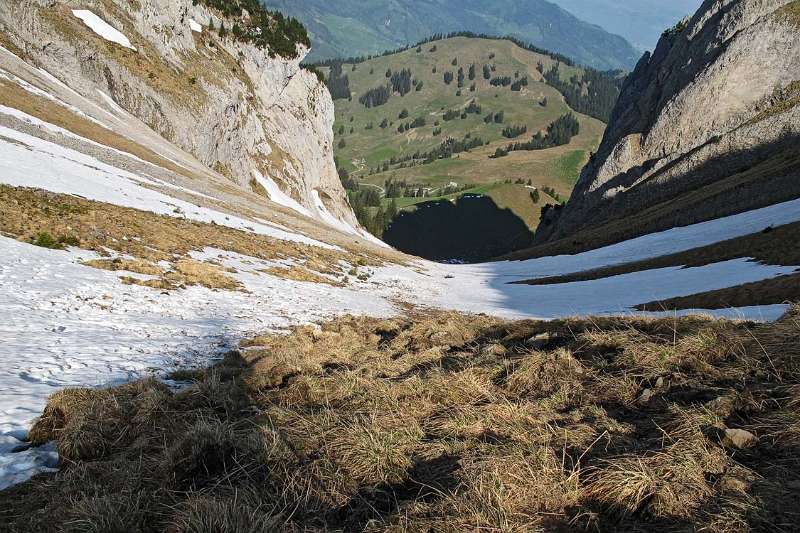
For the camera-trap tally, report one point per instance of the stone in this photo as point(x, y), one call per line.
point(738, 438)
point(537, 342)
point(494, 349)
point(647, 394)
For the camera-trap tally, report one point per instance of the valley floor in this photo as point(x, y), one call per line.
point(113, 267)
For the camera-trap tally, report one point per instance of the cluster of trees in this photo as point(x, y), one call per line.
point(594, 94)
point(447, 149)
point(418, 122)
point(519, 84)
point(500, 81)
point(403, 189)
point(551, 192)
point(369, 211)
point(263, 28)
point(497, 118)
point(512, 132)
point(401, 81)
point(451, 147)
point(395, 189)
point(472, 108)
point(451, 114)
point(338, 83)
point(448, 77)
point(376, 97)
point(559, 132)
point(348, 182)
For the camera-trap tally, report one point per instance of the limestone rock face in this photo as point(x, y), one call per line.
point(717, 97)
point(228, 103)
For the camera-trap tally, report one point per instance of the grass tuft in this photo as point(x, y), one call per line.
point(440, 422)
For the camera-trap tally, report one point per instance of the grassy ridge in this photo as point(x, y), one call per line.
point(363, 147)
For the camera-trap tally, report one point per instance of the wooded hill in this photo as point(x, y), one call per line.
point(432, 117)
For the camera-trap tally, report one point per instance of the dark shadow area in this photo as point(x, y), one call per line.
point(428, 480)
point(724, 185)
point(471, 229)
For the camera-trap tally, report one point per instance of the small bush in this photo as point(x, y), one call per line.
point(45, 240)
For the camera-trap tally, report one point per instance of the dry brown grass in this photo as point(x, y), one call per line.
point(777, 246)
point(8, 43)
point(146, 238)
point(301, 273)
point(776, 290)
point(442, 422)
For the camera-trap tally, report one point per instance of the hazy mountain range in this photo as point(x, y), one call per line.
point(641, 22)
point(350, 27)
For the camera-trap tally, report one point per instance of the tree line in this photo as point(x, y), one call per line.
point(559, 132)
point(561, 58)
point(594, 93)
point(266, 29)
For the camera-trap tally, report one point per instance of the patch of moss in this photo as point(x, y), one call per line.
point(792, 12)
point(785, 99)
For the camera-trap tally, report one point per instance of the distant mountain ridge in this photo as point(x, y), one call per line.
point(640, 22)
point(351, 28)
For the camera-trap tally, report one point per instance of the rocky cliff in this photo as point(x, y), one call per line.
point(252, 116)
point(706, 126)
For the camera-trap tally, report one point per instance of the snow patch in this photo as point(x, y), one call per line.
point(329, 219)
point(39, 163)
point(103, 28)
point(278, 196)
point(92, 330)
point(195, 26)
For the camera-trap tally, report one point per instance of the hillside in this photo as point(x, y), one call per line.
point(370, 147)
point(354, 28)
point(716, 138)
point(185, 350)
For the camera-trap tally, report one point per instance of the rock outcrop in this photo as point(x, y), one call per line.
point(241, 112)
point(706, 126)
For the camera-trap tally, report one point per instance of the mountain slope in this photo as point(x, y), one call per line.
point(705, 127)
point(241, 110)
point(351, 28)
point(371, 148)
point(641, 22)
